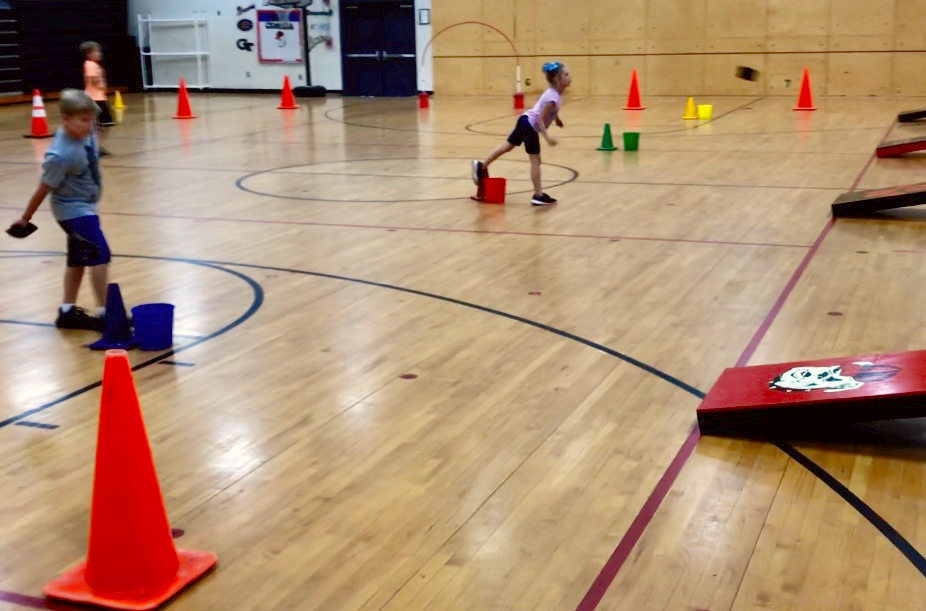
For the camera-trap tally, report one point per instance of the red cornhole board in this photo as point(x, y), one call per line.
point(778, 400)
point(858, 203)
point(901, 147)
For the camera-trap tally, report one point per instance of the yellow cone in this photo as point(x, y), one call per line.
point(690, 110)
point(118, 103)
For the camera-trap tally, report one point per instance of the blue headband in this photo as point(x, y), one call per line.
point(551, 67)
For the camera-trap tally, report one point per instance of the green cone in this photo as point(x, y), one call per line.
point(606, 143)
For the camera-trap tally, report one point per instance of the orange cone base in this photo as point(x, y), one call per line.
point(38, 137)
point(72, 585)
point(187, 117)
point(634, 107)
point(293, 107)
point(804, 108)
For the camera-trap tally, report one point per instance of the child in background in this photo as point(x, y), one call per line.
point(71, 174)
point(95, 85)
point(532, 124)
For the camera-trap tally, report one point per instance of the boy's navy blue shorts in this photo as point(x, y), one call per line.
point(86, 244)
point(524, 133)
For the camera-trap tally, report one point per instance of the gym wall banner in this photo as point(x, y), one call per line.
point(279, 36)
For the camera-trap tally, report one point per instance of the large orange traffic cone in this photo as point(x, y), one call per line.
point(633, 96)
point(804, 101)
point(286, 97)
point(131, 560)
point(183, 103)
point(39, 118)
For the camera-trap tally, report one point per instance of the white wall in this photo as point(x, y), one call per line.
point(324, 62)
point(423, 34)
point(232, 68)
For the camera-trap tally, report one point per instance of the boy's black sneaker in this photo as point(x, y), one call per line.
point(542, 200)
point(479, 171)
point(77, 318)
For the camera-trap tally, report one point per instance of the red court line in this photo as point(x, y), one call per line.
point(610, 570)
point(622, 551)
point(442, 229)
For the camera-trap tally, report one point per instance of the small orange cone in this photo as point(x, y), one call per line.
point(422, 100)
point(633, 96)
point(39, 118)
point(804, 101)
point(183, 103)
point(131, 559)
point(286, 97)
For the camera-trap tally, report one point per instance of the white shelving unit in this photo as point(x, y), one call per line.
point(173, 46)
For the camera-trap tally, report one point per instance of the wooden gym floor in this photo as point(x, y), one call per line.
point(546, 454)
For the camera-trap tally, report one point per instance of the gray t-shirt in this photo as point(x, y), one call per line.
point(71, 168)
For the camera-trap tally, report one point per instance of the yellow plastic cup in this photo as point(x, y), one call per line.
point(704, 111)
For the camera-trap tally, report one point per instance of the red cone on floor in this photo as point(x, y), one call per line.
point(131, 559)
point(39, 118)
point(633, 96)
point(287, 102)
point(804, 101)
point(183, 103)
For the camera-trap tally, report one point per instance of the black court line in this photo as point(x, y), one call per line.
point(866, 511)
point(889, 532)
point(255, 305)
point(240, 182)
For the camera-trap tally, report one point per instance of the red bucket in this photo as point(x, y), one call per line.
point(494, 190)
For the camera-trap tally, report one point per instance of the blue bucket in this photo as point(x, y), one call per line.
point(154, 326)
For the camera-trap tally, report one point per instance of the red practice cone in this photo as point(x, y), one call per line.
point(39, 118)
point(804, 101)
point(183, 103)
point(519, 101)
point(633, 96)
point(422, 100)
point(286, 97)
point(131, 560)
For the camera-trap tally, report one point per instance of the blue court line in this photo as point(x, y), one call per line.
point(37, 425)
point(29, 323)
point(255, 305)
point(864, 510)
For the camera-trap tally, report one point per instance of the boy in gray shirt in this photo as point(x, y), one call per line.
point(71, 174)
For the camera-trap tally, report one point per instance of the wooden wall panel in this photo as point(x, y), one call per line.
point(798, 18)
point(852, 47)
point(862, 18)
point(859, 74)
point(617, 20)
point(909, 72)
point(736, 18)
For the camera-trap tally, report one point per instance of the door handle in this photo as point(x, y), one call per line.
point(363, 55)
point(397, 55)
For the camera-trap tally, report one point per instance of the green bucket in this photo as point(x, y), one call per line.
point(631, 141)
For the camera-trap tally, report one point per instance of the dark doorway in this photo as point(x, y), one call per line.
point(378, 47)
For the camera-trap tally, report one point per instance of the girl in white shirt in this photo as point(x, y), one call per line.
point(531, 125)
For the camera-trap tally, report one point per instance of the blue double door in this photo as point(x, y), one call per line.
point(378, 48)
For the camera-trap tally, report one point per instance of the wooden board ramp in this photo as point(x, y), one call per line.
point(785, 399)
point(901, 147)
point(911, 116)
point(875, 200)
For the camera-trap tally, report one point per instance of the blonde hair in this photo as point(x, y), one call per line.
point(88, 47)
point(74, 101)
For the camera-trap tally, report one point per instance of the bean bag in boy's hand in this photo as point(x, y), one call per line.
point(21, 231)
